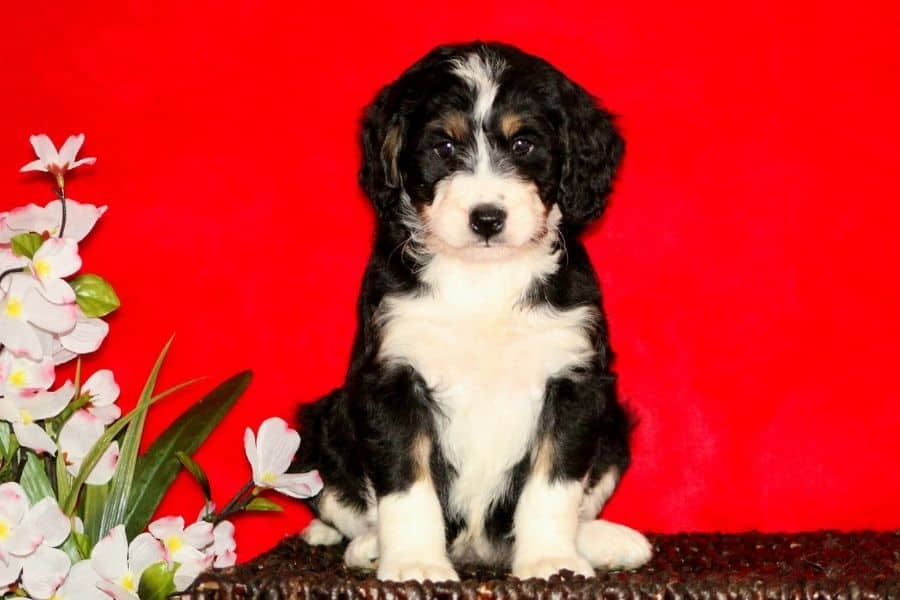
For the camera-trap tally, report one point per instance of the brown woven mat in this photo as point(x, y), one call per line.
point(813, 566)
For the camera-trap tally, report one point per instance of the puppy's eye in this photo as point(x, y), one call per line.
point(521, 146)
point(445, 149)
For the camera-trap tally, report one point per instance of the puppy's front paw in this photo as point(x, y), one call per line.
point(612, 546)
point(362, 551)
point(417, 570)
point(545, 566)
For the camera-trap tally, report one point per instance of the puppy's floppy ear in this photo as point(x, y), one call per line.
point(383, 131)
point(593, 149)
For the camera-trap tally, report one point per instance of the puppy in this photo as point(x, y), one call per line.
point(478, 421)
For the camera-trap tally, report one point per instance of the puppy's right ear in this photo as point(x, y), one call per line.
point(383, 132)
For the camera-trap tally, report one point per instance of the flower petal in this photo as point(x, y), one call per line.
point(144, 551)
point(79, 434)
point(44, 148)
point(86, 336)
point(19, 337)
point(189, 570)
point(57, 257)
point(166, 527)
point(276, 446)
point(102, 387)
point(33, 436)
point(110, 555)
point(70, 148)
point(9, 571)
point(57, 290)
point(33, 218)
point(35, 165)
point(46, 522)
point(81, 584)
point(106, 466)
point(250, 451)
point(116, 591)
point(44, 571)
point(299, 485)
point(226, 558)
point(9, 260)
point(13, 503)
point(44, 405)
point(80, 218)
point(199, 535)
point(55, 318)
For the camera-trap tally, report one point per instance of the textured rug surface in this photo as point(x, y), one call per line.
point(814, 566)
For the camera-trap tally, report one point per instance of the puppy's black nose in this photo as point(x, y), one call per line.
point(487, 220)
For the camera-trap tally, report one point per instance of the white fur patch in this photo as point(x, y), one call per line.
point(487, 359)
point(411, 536)
point(362, 551)
point(612, 546)
point(596, 497)
point(318, 533)
point(348, 521)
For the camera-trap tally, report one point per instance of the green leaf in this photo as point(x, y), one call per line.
point(6, 441)
point(120, 486)
point(260, 504)
point(93, 501)
point(157, 581)
point(196, 471)
point(26, 244)
point(158, 466)
point(94, 295)
point(63, 479)
point(82, 543)
point(34, 479)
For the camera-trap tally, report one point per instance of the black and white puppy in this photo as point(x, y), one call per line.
point(478, 421)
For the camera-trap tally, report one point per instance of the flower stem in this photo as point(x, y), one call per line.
point(236, 504)
point(61, 193)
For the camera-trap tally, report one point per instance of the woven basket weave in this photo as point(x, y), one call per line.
point(811, 566)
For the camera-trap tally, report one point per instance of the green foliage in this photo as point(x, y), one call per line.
point(120, 486)
point(157, 581)
point(260, 504)
point(158, 466)
point(94, 295)
point(196, 471)
point(26, 244)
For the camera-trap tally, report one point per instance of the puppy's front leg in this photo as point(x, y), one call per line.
point(399, 436)
point(546, 524)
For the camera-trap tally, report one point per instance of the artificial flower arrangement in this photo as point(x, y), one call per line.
point(76, 498)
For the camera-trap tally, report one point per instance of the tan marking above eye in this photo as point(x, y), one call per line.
point(510, 123)
point(455, 124)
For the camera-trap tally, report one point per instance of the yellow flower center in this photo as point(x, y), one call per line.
point(18, 378)
point(13, 308)
point(127, 582)
point(269, 478)
point(42, 268)
point(26, 416)
point(4, 530)
point(174, 543)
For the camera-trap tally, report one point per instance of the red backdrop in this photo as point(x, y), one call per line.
point(749, 256)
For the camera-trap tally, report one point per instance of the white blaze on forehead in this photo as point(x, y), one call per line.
point(480, 74)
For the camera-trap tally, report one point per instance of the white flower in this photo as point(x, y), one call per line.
point(51, 161)
point(29, 537)
point(25, 399)
point(76, 439)
point(8, 258)
point(85, 337)
point(121, 565)
point(55, 259)
point(184, 546)
point(270, 456)
point(81, 584)
point(104, 391)
point(80, 220)
point(23, 308)
point(223, 546)
point(13, 507)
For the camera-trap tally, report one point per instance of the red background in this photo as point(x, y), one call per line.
point(749, 256)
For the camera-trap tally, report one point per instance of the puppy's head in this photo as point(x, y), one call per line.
point(481, 150)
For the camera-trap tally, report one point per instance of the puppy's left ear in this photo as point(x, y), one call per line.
point(593, 149)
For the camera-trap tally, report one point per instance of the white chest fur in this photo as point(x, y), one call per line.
point(487, 360)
